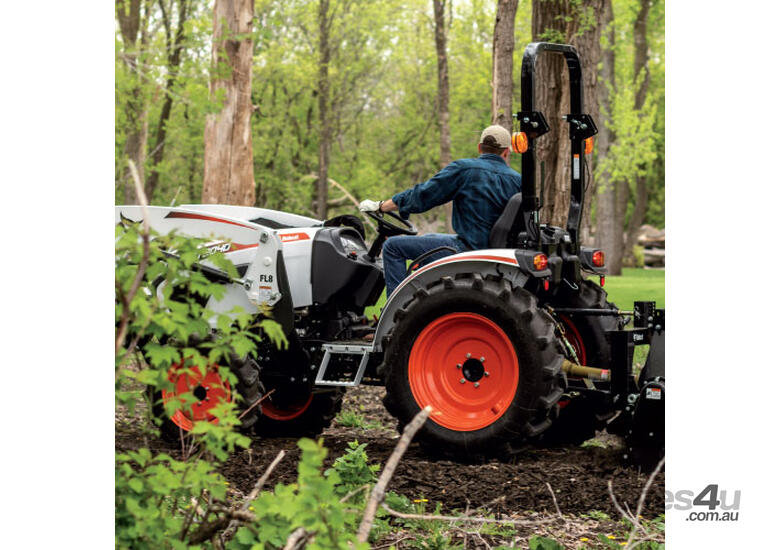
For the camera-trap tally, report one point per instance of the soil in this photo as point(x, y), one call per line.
point(578, 475)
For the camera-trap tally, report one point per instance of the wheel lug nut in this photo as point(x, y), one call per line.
point(476, 384)
point(482, 359)
point(460, 365)
point(487, 373)
point(462, 380)
point(468, 356)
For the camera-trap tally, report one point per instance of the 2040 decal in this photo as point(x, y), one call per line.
point(721, 505)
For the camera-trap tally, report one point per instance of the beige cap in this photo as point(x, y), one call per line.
point(496, 136)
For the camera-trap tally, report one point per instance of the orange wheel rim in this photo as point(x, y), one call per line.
point(465, 367)
point(286, 413)
point(210, 390)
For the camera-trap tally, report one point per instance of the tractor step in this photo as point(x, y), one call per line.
point(349, 376)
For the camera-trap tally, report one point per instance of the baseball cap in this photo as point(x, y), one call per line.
point(496, 136)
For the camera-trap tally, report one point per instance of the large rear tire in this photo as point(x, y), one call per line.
point(580, 417)
point(483, 356)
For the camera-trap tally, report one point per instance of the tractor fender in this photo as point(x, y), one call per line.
point(253, 247)
point(503, 262)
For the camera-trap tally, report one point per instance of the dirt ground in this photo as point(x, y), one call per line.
point(516, 488)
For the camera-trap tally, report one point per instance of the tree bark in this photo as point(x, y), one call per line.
point(503, 50)
point(641, 71)
point(174, 60)
point(610, 224)
point(443, 100)
point(321, 205)
point(131, 22)
point(228, 167)
point(559, 20)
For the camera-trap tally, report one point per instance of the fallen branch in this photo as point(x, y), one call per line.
point(641, 503)
point(471, 519)
point(378, 493)
point(298, 539)
point(555, 500)
point(231, 528)
point(256, 403)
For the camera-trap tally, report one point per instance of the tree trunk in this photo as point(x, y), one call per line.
point(443, 100)
point(559, 20)
point(503, 50)
point(610, 224)
point(174, 60)
point(641, 71)
point(131, 22)
point(324, 104)
point(228, 168)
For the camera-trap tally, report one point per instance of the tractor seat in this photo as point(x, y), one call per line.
point(501, 235)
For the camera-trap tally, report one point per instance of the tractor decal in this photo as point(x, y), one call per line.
point(290, 237)
point(191, 216)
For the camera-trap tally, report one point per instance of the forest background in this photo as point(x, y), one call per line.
point(348, 100)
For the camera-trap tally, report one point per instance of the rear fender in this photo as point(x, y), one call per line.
point(501, 262)
point(241, 241)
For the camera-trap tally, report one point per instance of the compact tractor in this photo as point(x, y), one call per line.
point(509, 345)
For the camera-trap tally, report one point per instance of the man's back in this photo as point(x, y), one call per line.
point(486, 185)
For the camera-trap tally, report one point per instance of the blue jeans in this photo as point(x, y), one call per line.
point(397, 250)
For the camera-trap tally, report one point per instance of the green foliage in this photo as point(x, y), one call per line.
point(636, 284)
point(544, 543)
point(313, 502)
point(353, 469)
point(354, 419)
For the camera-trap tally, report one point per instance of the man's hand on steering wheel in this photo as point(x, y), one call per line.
point(375, 211)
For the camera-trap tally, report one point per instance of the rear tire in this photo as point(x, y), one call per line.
point(580, 417)
point(460, 321)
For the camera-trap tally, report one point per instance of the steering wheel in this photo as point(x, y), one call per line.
point(389, 229)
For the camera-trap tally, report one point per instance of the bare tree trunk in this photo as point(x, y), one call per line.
point(324, 103)
point(503, 50)
point(228, 168)
point(445, 155)
point(174, 60)
point(561, 19)
point(131, 22)
point(641, 71)
point(610, 224)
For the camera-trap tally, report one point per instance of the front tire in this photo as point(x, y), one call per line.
point(483, 356)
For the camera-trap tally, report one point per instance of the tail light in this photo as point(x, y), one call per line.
point(598, 258)
point(519, 142)
point(540, 262)
point(589, 145)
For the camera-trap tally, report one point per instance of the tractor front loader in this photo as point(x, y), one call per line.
point(509, 345)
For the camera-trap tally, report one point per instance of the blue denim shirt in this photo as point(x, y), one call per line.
point(478, 188)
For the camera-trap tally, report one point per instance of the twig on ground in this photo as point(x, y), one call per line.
point(555, 500)
point(231, 528)
point(641, 503)
point(298, 539)
point(472, 519)
point(253, 405)
point(378, 493)
point(351, 494)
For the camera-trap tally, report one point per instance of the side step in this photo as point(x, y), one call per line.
point(343, 348)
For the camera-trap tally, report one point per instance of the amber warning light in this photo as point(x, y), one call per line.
point(540, 262)
point(519, 142)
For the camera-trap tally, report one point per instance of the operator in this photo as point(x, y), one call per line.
point(479, 189)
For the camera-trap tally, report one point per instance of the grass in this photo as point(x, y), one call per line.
point(634, 284)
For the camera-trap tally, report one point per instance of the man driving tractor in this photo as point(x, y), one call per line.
point(479, 189)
